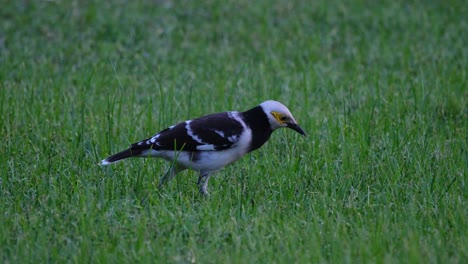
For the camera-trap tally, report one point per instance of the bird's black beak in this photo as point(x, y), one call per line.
point(296, 128)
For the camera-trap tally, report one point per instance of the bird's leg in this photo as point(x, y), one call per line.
point(203, 182)
point(169, 175)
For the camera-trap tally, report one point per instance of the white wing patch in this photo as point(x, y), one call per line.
point(191, 134)
point(221, 133)
point(233, 115)
point(151, 140)
point(206, 147)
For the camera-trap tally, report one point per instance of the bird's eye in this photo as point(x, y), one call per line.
point(283, 118)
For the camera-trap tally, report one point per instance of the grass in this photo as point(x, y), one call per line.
point(380, 87)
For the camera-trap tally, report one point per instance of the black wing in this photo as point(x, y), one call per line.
point(212, 132)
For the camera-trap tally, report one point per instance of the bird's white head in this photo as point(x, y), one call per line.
point(280, 116)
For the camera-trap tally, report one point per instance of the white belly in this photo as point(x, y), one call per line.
point(205, 160)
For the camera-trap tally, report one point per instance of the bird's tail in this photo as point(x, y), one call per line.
point(120, 156)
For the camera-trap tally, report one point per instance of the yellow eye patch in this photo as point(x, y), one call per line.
point(279, 117)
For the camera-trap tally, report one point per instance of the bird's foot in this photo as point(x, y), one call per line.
point(167, 177)
point(203, 183)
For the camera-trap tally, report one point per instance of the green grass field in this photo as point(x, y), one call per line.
point(379, 86)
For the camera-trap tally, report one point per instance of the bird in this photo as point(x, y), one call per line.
point(211, 142)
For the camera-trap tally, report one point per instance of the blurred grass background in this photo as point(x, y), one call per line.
point(379, 86)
